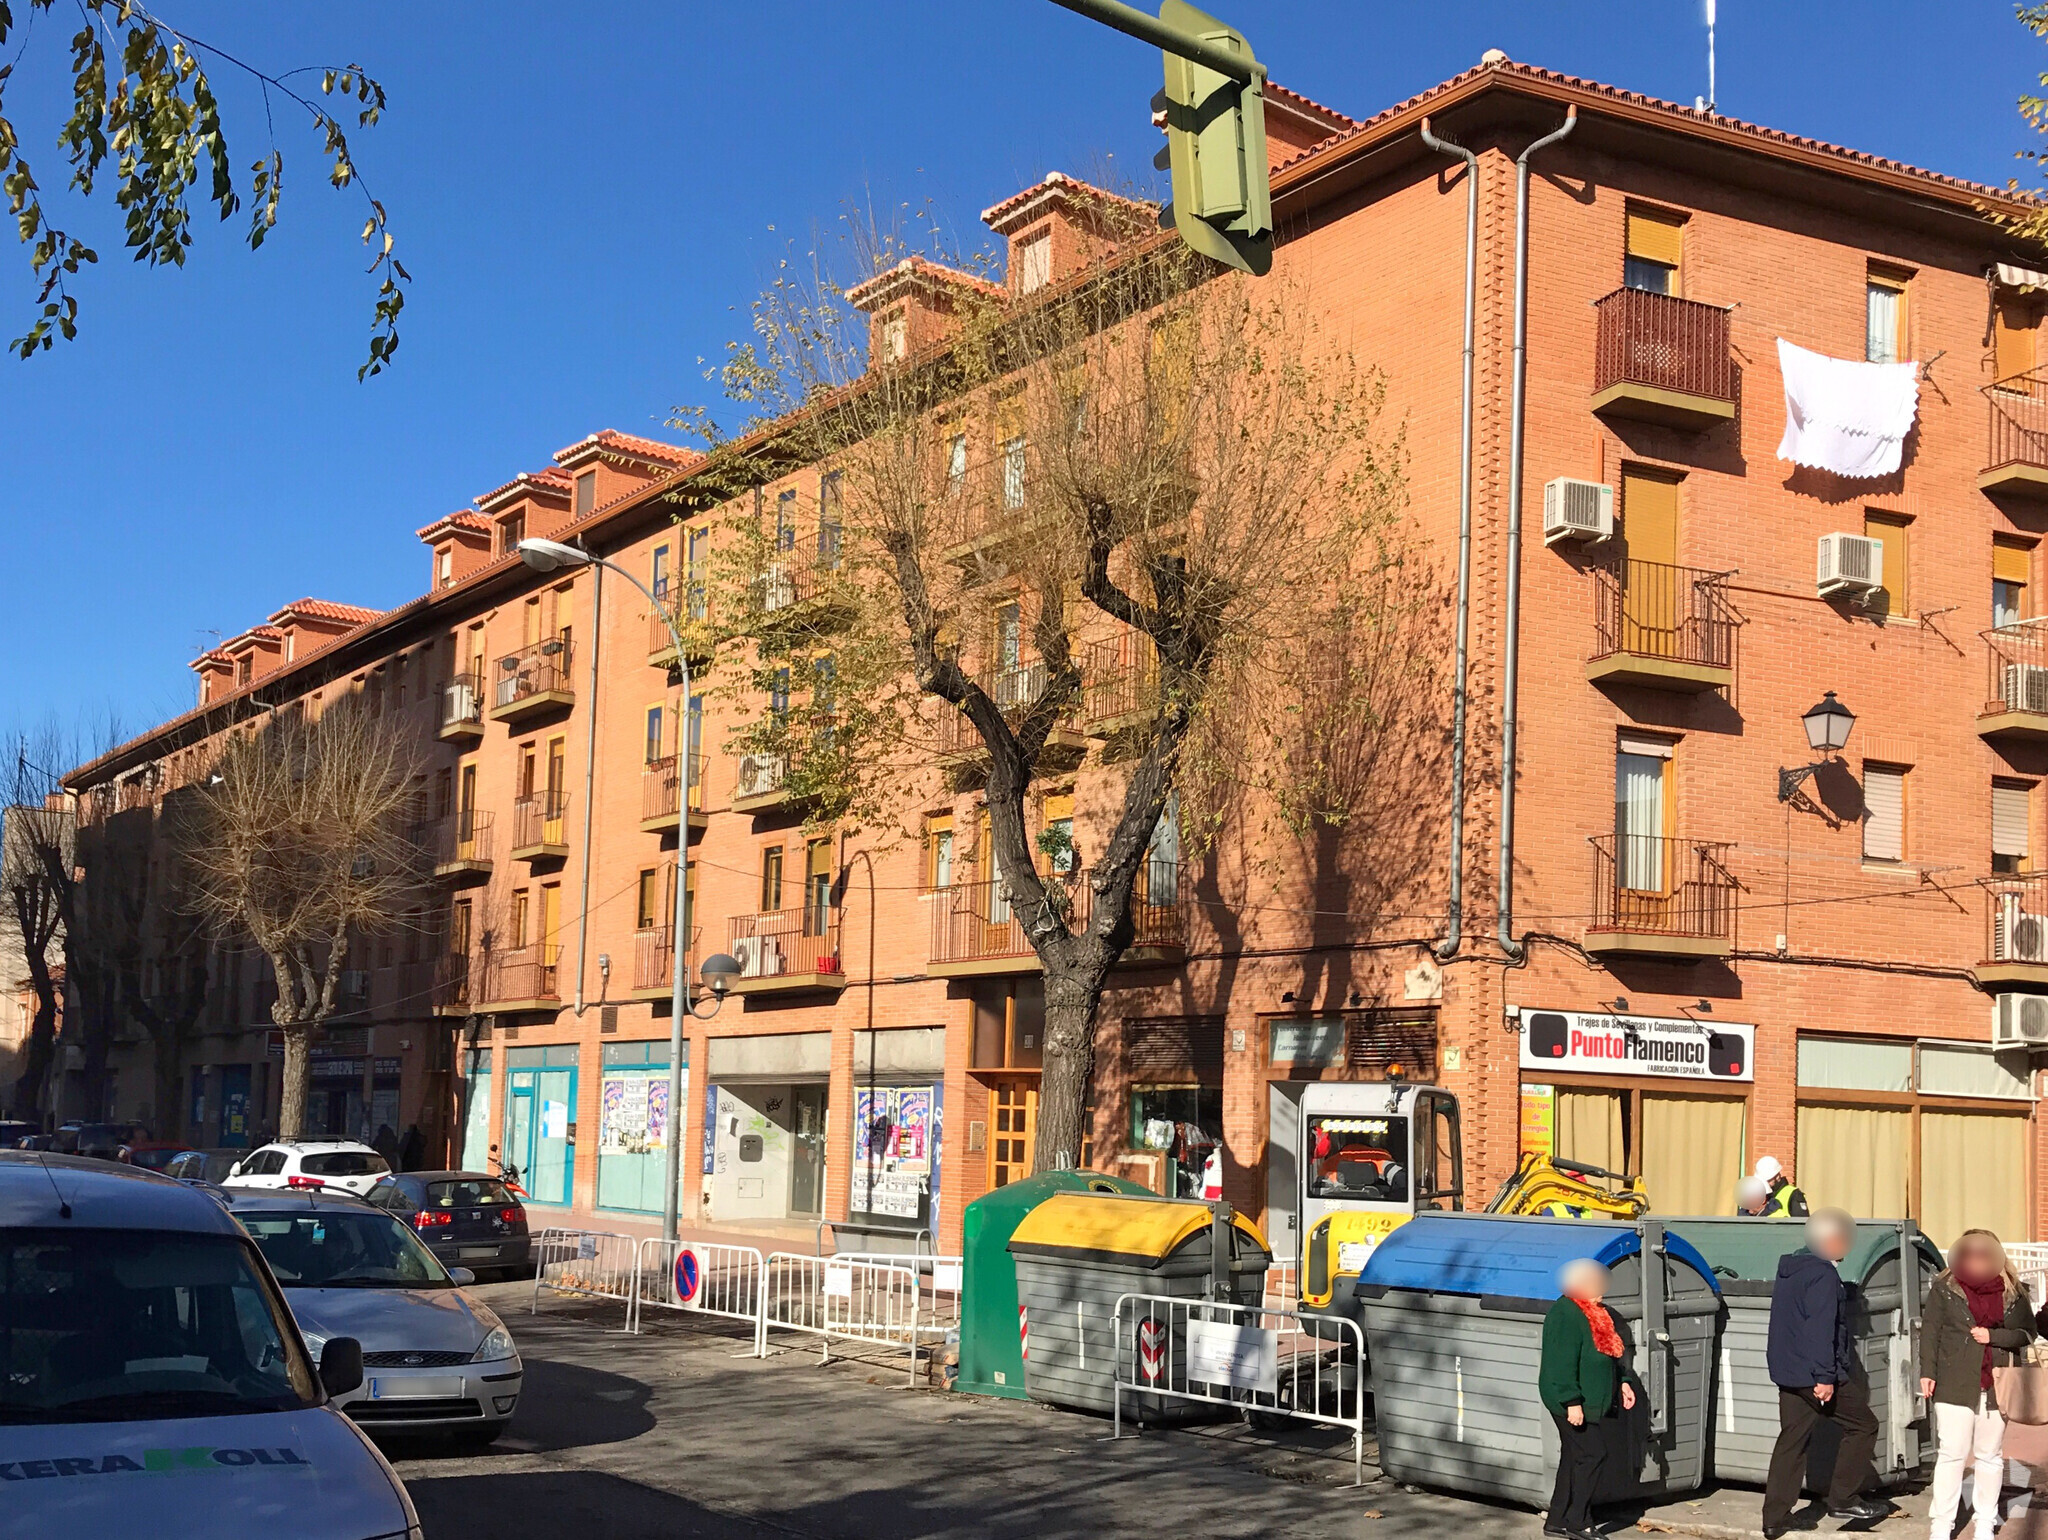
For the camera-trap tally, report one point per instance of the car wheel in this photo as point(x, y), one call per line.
point(477, 1440)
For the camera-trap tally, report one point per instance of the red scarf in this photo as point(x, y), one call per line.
point(1605, 1337)
point(1987, 1309)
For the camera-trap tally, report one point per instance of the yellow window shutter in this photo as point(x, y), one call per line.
point(2011, 562)
point(1649, 517)
point(1655, 235)
point(1889, 530)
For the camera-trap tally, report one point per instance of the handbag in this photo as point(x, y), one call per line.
point(2022, 1387)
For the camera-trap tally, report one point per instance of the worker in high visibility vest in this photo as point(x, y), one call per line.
point(1786, 1201)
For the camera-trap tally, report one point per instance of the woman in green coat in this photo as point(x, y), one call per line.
point(1582, 1385)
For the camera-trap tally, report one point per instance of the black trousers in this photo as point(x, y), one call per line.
point(1582, 1454)
point(1798, 1415)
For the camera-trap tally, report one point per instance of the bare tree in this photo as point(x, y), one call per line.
point(36, 896)
point(1154, 483)
point(299, 840)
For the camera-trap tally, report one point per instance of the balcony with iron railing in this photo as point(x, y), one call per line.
point(1661, 896)
point(977, 930)
point(454, 974)
point(2016, 459)
point(462, 708)
point(1121, 684)
point(2015, 706)
point(1662, 627)
point(533, 681)
point(2016, 933)
point(521, 979)
point(460, 845)
point(661, 799)
point(1661, 359)
point(787, 950)
point(691, 623)
point(961, 750)
point(654, 960)
point(540, 826)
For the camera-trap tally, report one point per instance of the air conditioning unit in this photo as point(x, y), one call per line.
point(778, 588)
point(747, 953)
point(760, 775)
point(1577, 510)
point(2025, 687)
point(2019, 1021)
point(1850, 564)
point(2021, 937)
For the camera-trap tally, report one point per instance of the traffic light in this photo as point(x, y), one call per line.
point(1215, 146)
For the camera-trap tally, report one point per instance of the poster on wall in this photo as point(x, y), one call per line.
point(1539, 1119)
point(1604, 1044)
point(893, 1142)
point(633, 1115)
point(911, 1145)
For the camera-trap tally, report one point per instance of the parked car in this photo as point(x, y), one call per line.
point(311, 1164)
point(434, 1359)
point(467, 1218)
point(101, 1141)
point(151, 1372)
point(208, 1167)
point(155, 1154)
point(12, 1133)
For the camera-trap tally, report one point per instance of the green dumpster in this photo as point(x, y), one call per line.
point(991, 1357)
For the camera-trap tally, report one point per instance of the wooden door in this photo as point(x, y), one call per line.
point(1653, 607)
point(1013, 1105)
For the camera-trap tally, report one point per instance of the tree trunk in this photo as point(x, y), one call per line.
point(298, 1077)
point(39, 1051)
point(1072, 995)
point(170, 1116)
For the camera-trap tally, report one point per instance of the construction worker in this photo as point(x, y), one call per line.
point(1751, 1194)
point(1786, 1201)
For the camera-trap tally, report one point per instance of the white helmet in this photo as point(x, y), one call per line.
point(1768, 1169)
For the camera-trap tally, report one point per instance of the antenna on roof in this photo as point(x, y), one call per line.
point(1707, 103)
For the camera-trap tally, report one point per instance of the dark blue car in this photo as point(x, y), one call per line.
point(467, 1218)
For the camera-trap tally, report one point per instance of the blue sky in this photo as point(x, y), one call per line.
point(587, 197)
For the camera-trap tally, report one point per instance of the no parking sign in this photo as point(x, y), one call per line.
point(689, 1274)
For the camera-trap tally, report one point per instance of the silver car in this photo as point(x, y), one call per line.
point(434, 1359)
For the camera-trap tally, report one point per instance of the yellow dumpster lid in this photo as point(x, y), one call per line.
point(1113, 1227)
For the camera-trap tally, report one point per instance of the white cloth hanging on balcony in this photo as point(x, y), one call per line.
point(1844, 416)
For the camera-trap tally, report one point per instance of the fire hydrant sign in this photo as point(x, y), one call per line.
point(1226, 1353)
point(1600, 1044)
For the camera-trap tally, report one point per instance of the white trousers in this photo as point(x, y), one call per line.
point(1964, 1436)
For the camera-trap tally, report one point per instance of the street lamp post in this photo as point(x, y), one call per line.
point(719, 970)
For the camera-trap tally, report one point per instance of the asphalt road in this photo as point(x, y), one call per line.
point(676, 1433)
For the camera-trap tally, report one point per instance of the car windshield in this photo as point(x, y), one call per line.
point(343, 1249)
point(345, 1163)
point(480, 1193)
point(128, 1325)
point(1354, 1157)
point(155, 1160)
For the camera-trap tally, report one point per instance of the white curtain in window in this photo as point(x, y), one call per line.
point(1692, 1152)
point(1639, 821)
point(1972, 1168)
point(1855, 1158)
point(1881, 334)
point(1013, 473)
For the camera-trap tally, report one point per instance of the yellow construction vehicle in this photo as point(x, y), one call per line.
point(1568, 1189)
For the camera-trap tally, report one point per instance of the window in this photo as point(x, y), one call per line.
point(445, 559)
point(1162, 855)
point(1013, 472)
point(529, 618)
point(817, 886)
point(771, 879)
point(1884, 311)
point(956, 464)
point(785, 521)
point(1034, 262)
point(1056, 842)
point(586, 493)
point(558, 772)
point(2015, 318)
point(1889, 530)
point(658, 572)
point(2012, 568)
point(1642, 813)
point(938, 850)
point(895, 337)
point(1009, 638)
point(466, 804)
point(511, 530)
point(778, 693)
point(516, 936)
point(1655, 241)
point(829, 527)
point(651, 749)
point(2011, 844)
point(1884, 812)
point(699, 550)
point(245, 669)
point(650, 899)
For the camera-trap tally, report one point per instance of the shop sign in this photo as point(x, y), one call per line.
point(1539, 1119)
point(1671, 1047)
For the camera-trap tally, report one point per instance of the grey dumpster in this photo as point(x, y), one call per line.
point(1079, 1252)
point(1453, 1307)
point(1744, 1254)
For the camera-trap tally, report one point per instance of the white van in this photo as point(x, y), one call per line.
point(151, 1373)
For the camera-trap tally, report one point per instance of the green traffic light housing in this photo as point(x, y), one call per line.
point(1215, 128)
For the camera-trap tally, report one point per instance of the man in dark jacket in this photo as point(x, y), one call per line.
point(1812, 1358)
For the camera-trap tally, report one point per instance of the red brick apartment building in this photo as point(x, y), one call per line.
point(1693, 971)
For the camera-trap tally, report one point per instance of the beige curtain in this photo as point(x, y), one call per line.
point(1854, 1158)
point(1589, 1129)
point(1692, 1153)
point(1973, 1175)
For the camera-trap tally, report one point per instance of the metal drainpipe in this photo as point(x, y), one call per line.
point(1511, 652)
point(1455, 934)
point(590, 779)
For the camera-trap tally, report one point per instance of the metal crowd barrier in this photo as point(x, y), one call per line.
point(1269, 1361)
point(702, 1277)
point(592, 1264)
point(881, 1302)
